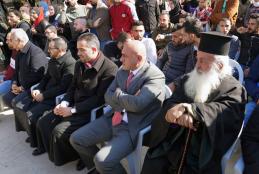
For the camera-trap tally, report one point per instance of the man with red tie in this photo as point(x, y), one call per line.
point(136, 95)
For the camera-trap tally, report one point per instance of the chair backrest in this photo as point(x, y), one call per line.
point(168, 92)
point(235, 65)
point(34, 86)
point(232, 156)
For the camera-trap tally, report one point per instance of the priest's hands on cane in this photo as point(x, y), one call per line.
point(180, 114)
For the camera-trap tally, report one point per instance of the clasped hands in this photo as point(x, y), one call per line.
point(62, 111)
point(181, 114)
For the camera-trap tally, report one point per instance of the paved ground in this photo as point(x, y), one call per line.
point(16, 155)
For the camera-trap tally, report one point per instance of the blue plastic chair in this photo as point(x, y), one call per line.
point(232, 162)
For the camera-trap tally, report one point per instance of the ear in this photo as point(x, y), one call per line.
point(139, 58)
point(192, 36)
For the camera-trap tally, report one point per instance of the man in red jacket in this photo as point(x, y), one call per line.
point(121, 18)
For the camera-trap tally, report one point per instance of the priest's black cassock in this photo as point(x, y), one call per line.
point(217, 120)
point(220, 119)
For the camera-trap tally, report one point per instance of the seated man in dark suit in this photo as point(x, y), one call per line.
point(136, 95)
point(202, 118)
point(93, 74)
point(42, 98)
point(30, 65)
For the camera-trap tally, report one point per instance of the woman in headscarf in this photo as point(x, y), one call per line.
point(38, 26)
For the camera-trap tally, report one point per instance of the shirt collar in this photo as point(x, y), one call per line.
point(135, 72)
point(96, 63)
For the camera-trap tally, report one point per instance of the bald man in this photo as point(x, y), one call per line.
point(136, 95)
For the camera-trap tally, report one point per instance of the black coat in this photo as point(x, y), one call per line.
point(148, 12)
point(90, 84)
point(220, 122)
point(58, 77)
point(112, 51)
point(250, 144)
point(246, 57)
point(30, 65)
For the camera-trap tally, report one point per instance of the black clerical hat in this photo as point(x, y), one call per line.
point(214, 43)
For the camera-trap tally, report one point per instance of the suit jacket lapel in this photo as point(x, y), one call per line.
point(137, 81)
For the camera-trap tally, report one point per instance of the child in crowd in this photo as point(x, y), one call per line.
point(203, 12)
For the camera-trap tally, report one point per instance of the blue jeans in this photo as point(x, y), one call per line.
point(5, 87)
point(250, 106)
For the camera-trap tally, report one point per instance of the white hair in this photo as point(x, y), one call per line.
point(200, 85)
point(19, 34)
point(226, 68)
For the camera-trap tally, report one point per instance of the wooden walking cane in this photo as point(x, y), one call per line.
point(186, 145)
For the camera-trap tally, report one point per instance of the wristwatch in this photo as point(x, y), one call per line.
point(73, 110)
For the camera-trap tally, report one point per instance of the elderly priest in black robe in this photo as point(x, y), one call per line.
point(202, 118)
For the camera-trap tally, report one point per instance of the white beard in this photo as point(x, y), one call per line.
point(200, 85)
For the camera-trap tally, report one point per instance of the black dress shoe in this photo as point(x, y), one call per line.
point(80, 165)
point(28, 140)
point(37, 152)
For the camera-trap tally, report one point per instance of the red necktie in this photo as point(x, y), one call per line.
point(130, 77)
point(117, 117)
